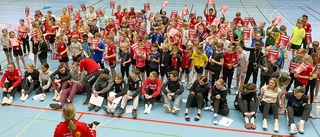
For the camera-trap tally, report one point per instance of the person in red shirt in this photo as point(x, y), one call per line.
point(302, 78)
point(140, 56)
point(72, 127)
point(308, 29)
point(175, 60)
point(93, 72)
point(193, 20)
point(23, 31)
point(211, 15)
point(118, 14)
point(111, 55)
point(186, 64)
point(15, 43)
point(238, 19)
point(62, 50)
point(132, 13)
point(230, 62)
point(14, 79)
point(151, 89)
point(110, 28)
point(51, 33)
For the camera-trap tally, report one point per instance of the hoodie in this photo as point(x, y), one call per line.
point(223, 94)
point(173, 86)
point(45, 76)
point(105, 83)
point(134, 86)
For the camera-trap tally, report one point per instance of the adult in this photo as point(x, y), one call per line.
point(211, 15)
point(14, 79)
point(307, 27)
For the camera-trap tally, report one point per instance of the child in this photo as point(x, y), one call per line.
point(86, 46)
point(97, 47)
point(154, 58)
point(15, 43)
point(302, 77)
point(238, 32)
point(312, 80)
point(211, 15)
point(230, 62)
point(186, 64)
point(238, 19)
point(297, 36)
point(199, 60)
point(60, 83)
point(247, 102)
point(255, 39)
point(224, 40)
point(115, 96)
point(133, 92)
point(10, 87)
point(30, 82)
point(119, 14)
point(151, 88)
point(242, 66)
point(62, 50)
point(44, 80)
point(76, 48)
point(111, 55)
point(164, 61)
point(296, 61)
point(125, 59)
point(23, 34)
point(140, 57)
point(209, 49)
point(175, 61)
point(219, 100)
point(43, 50)
point(267, 67)
point(4, 41)
point(254, 57)
point(217, 60)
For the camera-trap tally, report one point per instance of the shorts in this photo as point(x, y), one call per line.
point(186, 70)
point(240, 71)
point(17, 53)
point(199, 70)
point(142, 70)
point(293, 46)
point(133, 61)
point(164, 71)
point(51, 38)
point(112, 64)
point(7, 50)
point(209, 67)
point(64, 59)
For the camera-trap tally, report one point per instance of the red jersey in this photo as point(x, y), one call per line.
point(307, 72)
point(193, 22)
point(68, 33)
point(111, 51)
point(155, 86)
point(109, 27)
point(140, 60)
point(77, 18)
point(230, 59)
point(238, 20)
point(14, 78)
point(186, 59)
point(119, 16)
point(177, 39)
point(148, 47)
point(88, 65)
point(307, 28)
point(15, 43)
point(210, 18)
point(132, 14)
point(133, 48)
point(82, 130)
point(174, 61)
point(62, 47)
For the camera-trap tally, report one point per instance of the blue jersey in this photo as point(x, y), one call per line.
point(154, 56)
point(209, 49)
point(96, 54)
point(281, 56)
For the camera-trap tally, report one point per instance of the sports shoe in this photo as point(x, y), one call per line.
point(94, 122)
point(175, 110)
point(188, 85)
point(121, 112)
point(134, 113)
point(186, 117)
point(247, 125)
point(167, 108)
point(276, 127)
point(183, 80)
point(43, 97)
point(91, 107)
point(197, 118)
point(145, 108)
point(86, 102)
point(97, 108)
point(301, 128)
point(9, 101)
point(235, 86)
point(24, 98)
point(149, 109)
point(209, 108)
point(4, 100)
point(106, 109)
point(55, 95)
point(253, 126)
point(293, 129)
point(264, 124)
point(215, 121)
point(58, 97)
point(56, 106)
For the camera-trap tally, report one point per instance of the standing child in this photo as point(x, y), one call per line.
point(267, 67)
point(238, 19)
point(15, 43)
point(43, 50)
point(164, 61)
point(111, 55)
point(86, 46)
point(140, 57)
point(217, 60)
point(125, 59)
point(76, 48)
point(97, 47)
point(295, 60)
point(175, 61)
point(23, 34)
point(238, 32)
point(302, 78)
point(186, 64)
point(4, 41)
point(230, 62)
point(297, 36)
point(154, 58)
point(199, 60)
point(242, 66)
point(62, 50)
point(312, 80)
point(209, 49)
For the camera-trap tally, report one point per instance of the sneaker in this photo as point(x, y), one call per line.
point(301, 128)
point(315, 99)
point(111, 111)
point(175, 110)
point(106, 109)
point(149, 109)
point(56, 106)
point(91, 107)
point(55, 95)
point(209, 109)
point(43, 97)
point(264, 124)
point(9, 101)
point(183, 80)
point(253, 126)
point(229, 91)
point(293, 129)
point(4, 100)
point(167, 108)
point(234, 87)
point(24, 98)
point(134, 113)
point(276, 127)
point(97, 108)
point(58, 97)
point(86, 102)
point(188, 85)
point(121, 112)
point(215, 121)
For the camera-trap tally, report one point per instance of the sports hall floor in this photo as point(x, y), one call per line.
point(36, 119)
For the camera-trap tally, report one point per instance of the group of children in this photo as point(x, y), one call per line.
point(211, 54)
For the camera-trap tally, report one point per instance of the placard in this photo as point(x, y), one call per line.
point(283, 41)
point(56, 56)
point(317, 69)
point(292, 66)
point(70, 9)
point(210, 1)
point(112, 3)
point(164, 4)
point(300, 68)
point(39, 13)
point(172, 32)
point(309, 37)
point(224, 9)
point(83, 7)
point(94, 44)
point(278, 19)
point(192, 34)
point(246, 34)
point(27, 11)
point(146, 6)
point(246, 22)
point(252, 22)
point(273, 55)
point(174, 14)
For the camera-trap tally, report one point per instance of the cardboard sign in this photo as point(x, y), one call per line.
point(223, 26)
point(112, 3)
point(27, 11)
point(220, 32)
point(116, 23)
point(70, 9)
point(317, 69)
point(172, 32)
point(34, 36)
point(22, 35)
point(131, 24)
point(277, 19)
point(99, 13)
point(29, 19)
point(231, 36)
point(151, 16)
point(205, 36)
point(94, 44)
point(300, 68)
point(210, 1)
point(39, 13)
point(142, 32)
point(178, 24)
point(56, 56)
point(138, 22)
point(121, 39)
point(215, 21)
point(83, 7)
point(164, 4)
point(174, 14)
point(252, 22)
point(185, 11)
point(273, 55)
point(246, 22)
point(246, 34)
point(146, 6)
point(309, 37)
point(292, 66)
point(283, 41)
point(192, 34)
point(224, 9)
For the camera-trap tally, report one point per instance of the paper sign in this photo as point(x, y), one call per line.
point(292, 66)
point(146, 6)
point(151, 16)
point(192, 34)
point(172, 32)
point(94, 44)
point(112, 3)
point(210, 1)
point(273, 55)
point(39, 13)
point(309, 37)
point(83, 7)
point(138, 22)
point(277, 19)
point(117, 23)
point(99, 13)
point(252, 22)
point(56, 56)
point(178, 24)
point(142, 32)
point(215, 21)
point(220, 32)
point(246, 22)
point(29, 19)
point(174, 14)
point(225, 121)
point(205, 35)
point(223, 26)
point(131, 24)
point(283, 41)
point(70, 9)
point(246, 34)
point(27, 11)
point(96, 100)
point(317, 69)
point(223, 9)
point(121, 39)
point(164, 4)
point(22, 35)
point(231, 36)
point(116, 100)
point(34, 36)
point(185, 11)
point(300, 68)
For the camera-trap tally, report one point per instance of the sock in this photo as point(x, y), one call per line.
point(252, 120)
point(246, 119)
point(215, 115)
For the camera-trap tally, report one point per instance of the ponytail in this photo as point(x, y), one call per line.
point(71, 126)
point(68, 113)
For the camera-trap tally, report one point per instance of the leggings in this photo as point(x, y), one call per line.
point(89, 80)
point(252, 71)
point(304, 112)
point(28, 87)
point(264, 80)
point(151, 100)
point(215, 76)
point(227, 75)
point(100, 63)
point(220, 108)
point(265, 109)
point(125, 70)
point(311, 85)
point(246, 107)
point(195, 101)
point(25, 43)
point(7, 85)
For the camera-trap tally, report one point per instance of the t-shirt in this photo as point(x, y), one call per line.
point(15, 43)
point(307, 28)
point(238, 20)
point(154, 56)
point(82, 129)
point(210, 18)
point(242, 59)
point(199, 59)
point(296, 103)
point(61, 48)
point(91, 16)
point(296, 39)
point(111, 51)
point(272, 40)
point(209, 49)
point(96, 54)
point(217, 57)
point(283, 77)
point(186, 59)
point(65, 18)
point(270, 96)
point(306, 72)
point(261, 31)
point(119, 16)
point(75, 48)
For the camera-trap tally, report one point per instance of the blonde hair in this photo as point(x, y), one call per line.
point(153, 73)
point(276, 84)
point(308, 58)
point(119, 76)
point(221, 81)
point(68, 113)
point(124, 45)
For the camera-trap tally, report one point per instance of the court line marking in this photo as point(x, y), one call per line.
point(160, 122)
point(12, 126)
point(312, 9)
point(141, 131)
point(309, 13)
